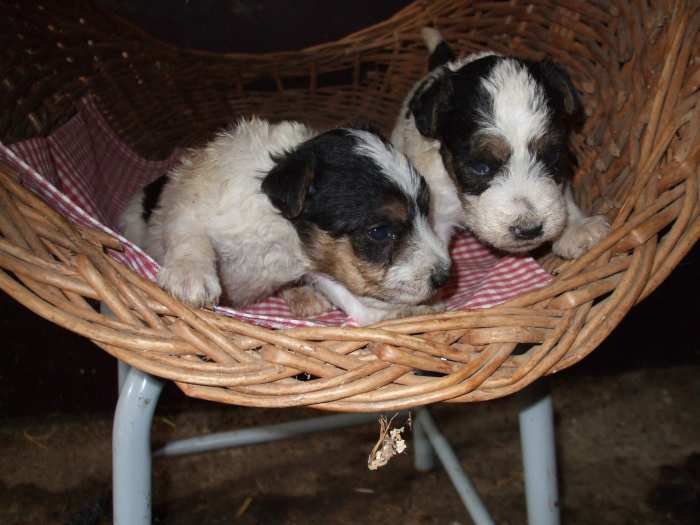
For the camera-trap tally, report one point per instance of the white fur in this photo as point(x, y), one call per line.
point(519, 110)
point(131, 222)
point(212, 210)
point(214, 228)
point(366, 310)
point(410, 275)
point(581, 232)
point(393, 164)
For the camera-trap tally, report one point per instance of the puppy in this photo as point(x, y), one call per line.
point(490, 134)
point(266, 206)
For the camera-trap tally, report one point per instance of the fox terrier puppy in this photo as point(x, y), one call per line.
point(490, 134)
point(269, 206)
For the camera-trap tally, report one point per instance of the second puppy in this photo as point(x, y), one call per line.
point(490, 134)
point(266, 206)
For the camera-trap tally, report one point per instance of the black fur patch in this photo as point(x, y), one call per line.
point(289, 182)
point(151, 196)
point(423, 198)
point(348, 195)
point(556, 154)
point(442, 54)
point(561, 94)
point(567, 115)
point(458, 126)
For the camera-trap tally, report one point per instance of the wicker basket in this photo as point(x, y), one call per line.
point(636, 64)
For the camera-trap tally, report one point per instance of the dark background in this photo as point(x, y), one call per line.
point(253, 26)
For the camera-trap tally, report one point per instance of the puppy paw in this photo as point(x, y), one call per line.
point(581, 236)
point(193, 282)
point(305, 301)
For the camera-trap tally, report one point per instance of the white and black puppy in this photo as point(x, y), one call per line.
point(266, 205)
point(490, 134)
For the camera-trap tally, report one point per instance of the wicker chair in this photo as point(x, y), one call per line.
point(636, 65)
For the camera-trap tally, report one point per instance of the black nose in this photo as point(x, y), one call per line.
point(440, 276)
point(526, 232)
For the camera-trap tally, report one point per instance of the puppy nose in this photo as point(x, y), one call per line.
point(526, 232)
point(440, 276)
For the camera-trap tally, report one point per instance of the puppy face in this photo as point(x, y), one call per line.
point(361, 213)
point(503, 126)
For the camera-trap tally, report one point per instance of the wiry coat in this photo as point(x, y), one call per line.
point(225, 213)
point(264, 205)
point(490, 135)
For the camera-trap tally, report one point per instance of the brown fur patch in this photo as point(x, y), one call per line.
point(336, 258)
point(496, 147)
point(304, 301)
point(396, 209)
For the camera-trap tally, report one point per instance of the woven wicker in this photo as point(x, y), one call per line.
point(636, 63)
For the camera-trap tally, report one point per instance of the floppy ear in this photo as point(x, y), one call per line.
point(559, 85)
point(430, 103)
point(288, 183)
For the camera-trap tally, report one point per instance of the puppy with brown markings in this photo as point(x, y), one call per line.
point(269, 206)
point(490, 134)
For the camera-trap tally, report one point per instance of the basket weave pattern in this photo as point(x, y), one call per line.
point(636, 63)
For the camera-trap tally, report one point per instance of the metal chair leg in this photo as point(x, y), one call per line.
point(539, 458)
point(423, 454)
point(459, 478)
point(131, 448)
point(261, 434)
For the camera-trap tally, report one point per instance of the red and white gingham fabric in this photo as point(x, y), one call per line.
point(87, 174)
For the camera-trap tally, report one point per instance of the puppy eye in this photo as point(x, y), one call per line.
point(480, 168)
point(382, 233)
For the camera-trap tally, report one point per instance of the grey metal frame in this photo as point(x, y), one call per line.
point(538, 445)
point(131, 459)
point(131, 446)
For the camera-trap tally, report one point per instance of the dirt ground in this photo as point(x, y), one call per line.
point(627, 423)
point(628, 454)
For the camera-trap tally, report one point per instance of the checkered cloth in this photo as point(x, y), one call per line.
point(85, 172)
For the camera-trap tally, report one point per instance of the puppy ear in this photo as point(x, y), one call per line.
point(288, 183)
point(430, 104)
point(559, 85)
